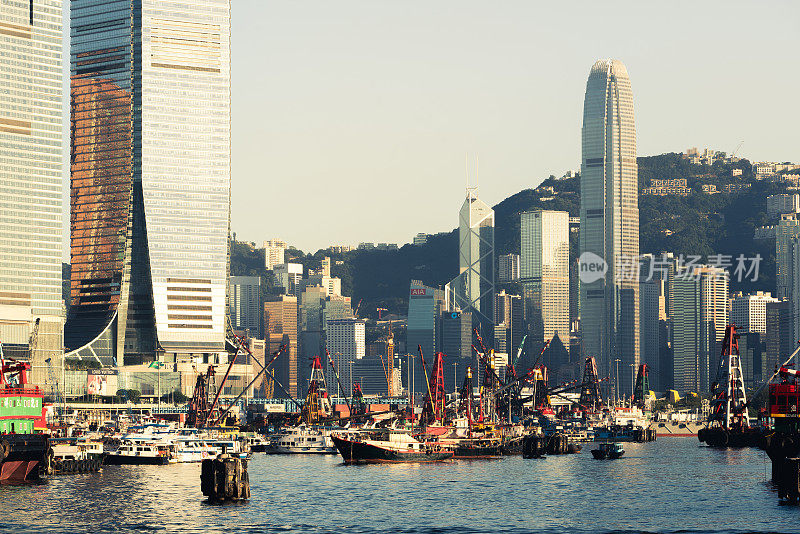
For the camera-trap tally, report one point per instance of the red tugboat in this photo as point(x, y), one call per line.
point(24, 450)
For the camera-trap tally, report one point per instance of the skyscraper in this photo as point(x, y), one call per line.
point(544, 272)
point(244, 304)
point(30, 181)
point(699, 316)
point(787, 229)
point(150, 190)
point(473, 289)
point(280, 326)
point(425, 305)
point(609, 219)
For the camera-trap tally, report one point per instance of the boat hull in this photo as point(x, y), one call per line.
point(467, 452)
point(121, 459)
point(354, 452)
point(26, 458)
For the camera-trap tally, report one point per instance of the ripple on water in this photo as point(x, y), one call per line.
point(671, 485)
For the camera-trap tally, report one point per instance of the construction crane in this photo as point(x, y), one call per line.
point(733, 154)
point(355, 313)
point(380, 312)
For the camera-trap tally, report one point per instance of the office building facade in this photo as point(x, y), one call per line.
point(544, 273)
point(346, 344)
point(150, 180)
point(31, 183)
point(609, 226)
point(244, 304)
point(473, 289)
point(699, 316)
point(786, 231)
point(280, 327)
point(749, 311)
point(508, 268)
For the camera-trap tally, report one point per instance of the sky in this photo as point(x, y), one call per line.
point(363, 120)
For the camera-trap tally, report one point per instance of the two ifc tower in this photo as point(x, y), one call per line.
point(609, 230)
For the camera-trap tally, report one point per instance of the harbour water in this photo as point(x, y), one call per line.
point(671, 485)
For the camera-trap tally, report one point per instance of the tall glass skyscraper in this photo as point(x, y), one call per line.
point(544, 273)
point(30, 181)
point(150, 189)
point(609, 220)
point(473, 289)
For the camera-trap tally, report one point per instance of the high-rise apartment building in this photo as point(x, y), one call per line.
point(508, 268)
point(150, 184)
point(786, 231)
point(749, 312)
point(473, 289)
point(274, 253)
point(31, 182)
point(244, 304)
point(699, 316)
point(280, 327)
point(609, 226)
point(346, 344)
point(783, 203)
point(544, 273)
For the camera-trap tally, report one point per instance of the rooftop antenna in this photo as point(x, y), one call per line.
point(471, 189)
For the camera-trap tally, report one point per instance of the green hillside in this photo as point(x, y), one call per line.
point(698, 224)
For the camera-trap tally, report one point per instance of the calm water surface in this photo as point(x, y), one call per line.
point(667, 486)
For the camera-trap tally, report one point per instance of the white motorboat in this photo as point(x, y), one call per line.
point(303, 439)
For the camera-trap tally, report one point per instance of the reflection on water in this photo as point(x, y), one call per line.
point(670, 485)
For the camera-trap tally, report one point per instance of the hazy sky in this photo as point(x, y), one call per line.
point(352, 119)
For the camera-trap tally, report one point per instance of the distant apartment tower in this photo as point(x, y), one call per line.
point(699, 302)
point(280, 327)
point(421, 238)
point(150, 180)
point(288, 276)
point(786, 231)
point(783, 203)
point(473, 289)
point(610, 217)
point(544, 272)
point(31, 183)
point(274, 253)
point(508, 266)
point(749, 312)
point(346, 345)
point(244, 304)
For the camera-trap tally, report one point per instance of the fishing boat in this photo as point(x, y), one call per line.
point(387, 446)
point(608, 451)
point(24, 450)
point(303, 439)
